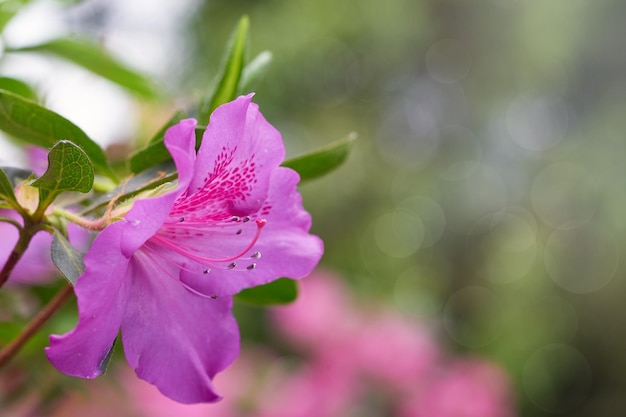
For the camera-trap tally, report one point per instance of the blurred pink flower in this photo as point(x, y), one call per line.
point(321, 318)
point(395, 351)
point(465, 388)
point(315, 389)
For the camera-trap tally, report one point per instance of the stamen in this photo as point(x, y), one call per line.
point(256, 255)
point(168, 274)
point(213, 296)
point(239, 231)
point(260, 223)
point(235, 218)
point(206, 271)
point(246, 219)
point(182, 219)
point(251, 267)
point(232, 265)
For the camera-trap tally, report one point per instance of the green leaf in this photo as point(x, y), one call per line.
point(8, 9)
point(67, 259)
point(156, 153)
point(145, 181)
point(34, 124)
point(94, 58)
point(6, 190)
point(323, 160)
point(16, 175)
point(69, 169)
point(254, 72)
point(18, 87)
point(281, 291)
point(224, 88)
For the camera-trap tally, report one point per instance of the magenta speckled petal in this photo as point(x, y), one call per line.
point(284, 248)
point(148, 215)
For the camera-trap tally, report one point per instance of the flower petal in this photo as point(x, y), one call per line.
point(102, 292)
point(175, 339)
point(287, 249)
point(148, 215)
point(239, 151)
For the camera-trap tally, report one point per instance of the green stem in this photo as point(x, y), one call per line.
point(10, 350)
point(81, 221)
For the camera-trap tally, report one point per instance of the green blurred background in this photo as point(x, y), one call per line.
point(484, 194)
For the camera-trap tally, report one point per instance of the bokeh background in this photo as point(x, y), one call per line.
point(484, 197)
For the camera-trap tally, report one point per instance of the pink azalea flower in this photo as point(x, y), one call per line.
point(466, 388)
point(164, 274)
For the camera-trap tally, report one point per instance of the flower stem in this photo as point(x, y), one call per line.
point(26, 234)
point(7, 353)
point(81, 221)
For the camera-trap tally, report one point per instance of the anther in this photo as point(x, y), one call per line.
point(246, 219)
point(235, 218)
point(251, 267)
point(206, 271)
point(182, 219)
point(239, 231)
point(256, 255)
point(232, 265)
point(213, 296)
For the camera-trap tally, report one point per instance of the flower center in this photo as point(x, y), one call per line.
point(201, 242)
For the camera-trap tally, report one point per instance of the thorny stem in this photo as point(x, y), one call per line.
point(7, 353)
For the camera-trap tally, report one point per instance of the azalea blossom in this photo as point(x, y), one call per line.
point(165, 272)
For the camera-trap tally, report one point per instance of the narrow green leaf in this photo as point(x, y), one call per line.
point(67, 259)
point(94, 58)
point(69, 169)
point(281, 291)
point(6, 190)
point(323, 160)
point(18, 87)
point(145, 181)
point(224, 87)
point(254, 72)
point(156, 153)
point(34, 124)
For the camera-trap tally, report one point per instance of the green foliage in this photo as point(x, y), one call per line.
point(67, 259)
point(225, 85)
point(156, 153)
point(254, 72)
point(323, 160)
point(69, 169)
point(281, 291)
point(6, 189)
point(37, 125)
point(18, 87)
point(92, 57)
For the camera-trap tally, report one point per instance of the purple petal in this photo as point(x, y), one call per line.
point(175, 339)
point(148, 215)
point(286, 247)
point(239, 151)
point(102, 292)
